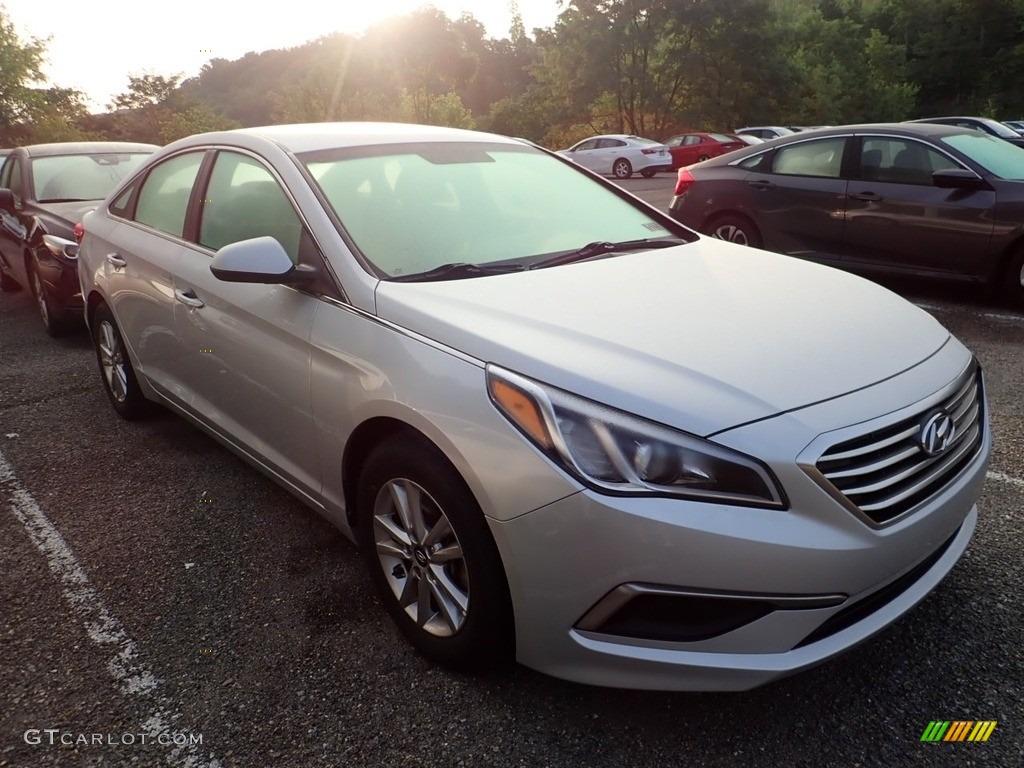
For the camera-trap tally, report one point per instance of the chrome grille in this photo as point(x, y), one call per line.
point(886, 472)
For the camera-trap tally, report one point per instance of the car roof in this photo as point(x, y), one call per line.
point(311, 137)
point(86, 148)
point(926, 130)
point(909, 128)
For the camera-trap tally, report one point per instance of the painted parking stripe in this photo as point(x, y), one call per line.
point(124, 662)
point(990, 315)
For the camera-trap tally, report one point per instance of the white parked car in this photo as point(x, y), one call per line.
point(561, 426)
point(765, 132)
point(620, 155)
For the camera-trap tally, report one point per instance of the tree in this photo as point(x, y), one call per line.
point(20, 66)
point(155, 109)
point(32, 114)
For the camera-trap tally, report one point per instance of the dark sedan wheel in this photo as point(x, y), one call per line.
point(53, 319)
point(621, 169)
point(1013, 283)
point(432, 557)
point(7, 283)
point(116, 369)
point(735, 229)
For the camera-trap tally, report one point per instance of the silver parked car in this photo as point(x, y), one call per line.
point(561, 426)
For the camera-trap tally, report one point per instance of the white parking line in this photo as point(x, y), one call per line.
point(989, 315)
point(1002, 477)
point(124, 663)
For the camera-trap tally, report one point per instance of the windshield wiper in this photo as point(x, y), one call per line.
point(601, 248)
point(457, 271)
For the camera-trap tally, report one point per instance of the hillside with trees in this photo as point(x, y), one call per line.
point(653, 68)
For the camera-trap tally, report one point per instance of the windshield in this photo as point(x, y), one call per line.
point(998, 157)
point(81, 177)
point(413, 208)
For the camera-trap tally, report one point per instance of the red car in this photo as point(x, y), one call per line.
point(690, 148)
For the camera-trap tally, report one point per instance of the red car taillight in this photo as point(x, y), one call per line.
point(684, 181)
point(79, 233)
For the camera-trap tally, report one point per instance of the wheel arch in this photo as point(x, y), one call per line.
point(376, 430)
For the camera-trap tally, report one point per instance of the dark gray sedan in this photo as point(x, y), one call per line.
point(914, 199)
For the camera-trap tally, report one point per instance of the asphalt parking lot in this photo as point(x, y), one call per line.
point(162, 603)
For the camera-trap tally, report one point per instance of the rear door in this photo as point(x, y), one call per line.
point(799, 202)
point(898, 219)
point(140, 239)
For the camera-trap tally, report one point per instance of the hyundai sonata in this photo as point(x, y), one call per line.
point(561, 427)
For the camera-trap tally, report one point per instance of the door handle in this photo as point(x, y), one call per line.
point(761, 184)
point(188, 298)
point(869, 197)
point(116, 261)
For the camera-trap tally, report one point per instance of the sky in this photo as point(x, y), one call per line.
point(93, 46)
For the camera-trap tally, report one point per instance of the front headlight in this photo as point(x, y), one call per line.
point(619, 453)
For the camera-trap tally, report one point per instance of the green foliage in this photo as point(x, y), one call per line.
point(31, 114)
point(652, 67)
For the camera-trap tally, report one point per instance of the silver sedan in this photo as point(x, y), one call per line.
point(561, 427)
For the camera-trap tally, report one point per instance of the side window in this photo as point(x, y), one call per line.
point(120, 206)
point(689, 141)
point(589, 144)
point(900, 161)
point(163, 199)
point(14, 181)
point(244, 200)
point(5, 174)
point(822, 158)
point(610, 143)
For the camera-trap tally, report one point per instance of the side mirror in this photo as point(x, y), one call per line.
point(259, 260)
point(959, 178)
point(7, 200)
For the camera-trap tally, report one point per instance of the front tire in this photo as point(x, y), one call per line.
point(54, 322)
point(621, 169)
point(119, 380)
point(432, 558)
point(735, 229)
point(1013, 278)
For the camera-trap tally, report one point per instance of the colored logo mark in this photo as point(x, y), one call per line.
point(959, 730)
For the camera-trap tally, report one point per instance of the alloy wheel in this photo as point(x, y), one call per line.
point(112, 361)
point(421, 557)
point(37, 289)
point(732, 233)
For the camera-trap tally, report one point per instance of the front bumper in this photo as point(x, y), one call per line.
point(556, 588)
point(659, 593)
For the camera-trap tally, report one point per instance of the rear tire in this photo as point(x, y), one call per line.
point(1013, 278)
point(7, 283)
point(116, 370)
point(432, 558)
point(54, 321)
point(735, 229)
point(647, 174)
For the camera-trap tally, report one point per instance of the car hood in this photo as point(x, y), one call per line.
point(703, 337)
point(65, 214)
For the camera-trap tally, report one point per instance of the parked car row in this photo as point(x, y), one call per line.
point(465, 351)
point(915, 198)
point(45, 190)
